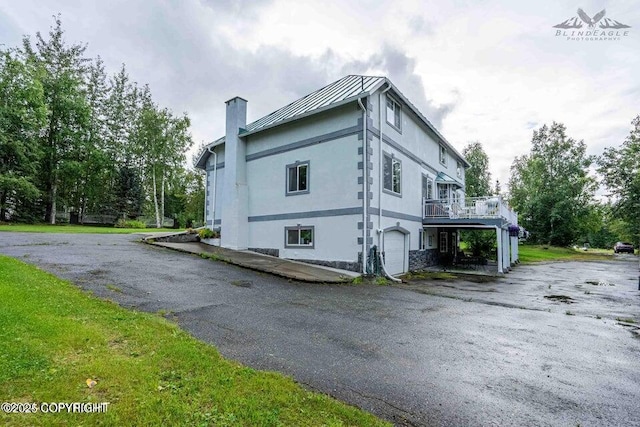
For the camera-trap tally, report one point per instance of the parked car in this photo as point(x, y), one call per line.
point(623, 247)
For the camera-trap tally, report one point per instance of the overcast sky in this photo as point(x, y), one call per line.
point(489, 71)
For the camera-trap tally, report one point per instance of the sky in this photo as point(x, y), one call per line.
point(489, 71)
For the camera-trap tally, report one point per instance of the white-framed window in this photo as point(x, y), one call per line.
point(425, 239)
point(443, 192)
point(394, 113)
point(443, 155)
point(443, 242)
point(455, 197)
point(299, 237)
point(427, 187)
point(298, 178)
point(392, 178)
point(459, 169)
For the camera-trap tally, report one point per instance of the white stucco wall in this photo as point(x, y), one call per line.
point(335, 238)
point(219, 182)
point(414, 138)
point(332, 182)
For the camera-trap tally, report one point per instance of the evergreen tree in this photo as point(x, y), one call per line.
point(65, 133)
point(22, 116)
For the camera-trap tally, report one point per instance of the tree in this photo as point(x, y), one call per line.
point(129, 193)
point(22, 116)
point(185, 202)
point(477, 176)
point(68, 113)
point(99, 170)
point(606, 229)
point(477, 184)
point(71, 137)
point(550, 187)
point(620, 169)
point(162, 141)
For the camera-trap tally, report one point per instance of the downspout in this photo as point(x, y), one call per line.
point(384, 269)
point(380, 183)
point(213, 193)
point(365, 193)
point(380, 166)
point(380, 174)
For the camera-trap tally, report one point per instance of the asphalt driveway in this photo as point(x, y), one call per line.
point(432, 353)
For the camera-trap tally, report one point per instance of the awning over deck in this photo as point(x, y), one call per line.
point(443, 178)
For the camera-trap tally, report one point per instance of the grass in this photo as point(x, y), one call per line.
point(76, 229)
point(538, 253)
point(54, 337)
point(429, 275)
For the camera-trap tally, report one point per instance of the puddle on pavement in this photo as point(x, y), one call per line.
point(560, 298)
point(599, 283)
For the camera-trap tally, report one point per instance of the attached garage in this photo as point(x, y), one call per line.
point(396, 252)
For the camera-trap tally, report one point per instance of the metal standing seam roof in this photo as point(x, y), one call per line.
point(346, 89)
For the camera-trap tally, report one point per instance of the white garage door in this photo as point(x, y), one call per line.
point(395, 253)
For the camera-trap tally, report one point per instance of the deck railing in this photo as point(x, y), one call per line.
point(489, 207)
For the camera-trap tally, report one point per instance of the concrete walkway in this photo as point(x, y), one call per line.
point(264, 263)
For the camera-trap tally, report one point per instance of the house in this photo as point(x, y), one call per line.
point(347, 167)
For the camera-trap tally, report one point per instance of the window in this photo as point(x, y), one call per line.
point(393, 113)
point(443, 242)
point(298, 178)
point(299, 237)
point(427, 187)
point(443, 192)
point(426, 239)
point(459, 169)
point(443, 155)
point(455, 196)
point(392, 174)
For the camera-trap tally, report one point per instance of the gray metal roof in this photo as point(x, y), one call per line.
point(346, 88)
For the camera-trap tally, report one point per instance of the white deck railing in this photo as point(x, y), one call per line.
point(489, 207)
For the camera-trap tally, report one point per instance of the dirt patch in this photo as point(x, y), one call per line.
point(560, 298)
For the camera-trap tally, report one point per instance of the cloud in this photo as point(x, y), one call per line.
point(396, 64)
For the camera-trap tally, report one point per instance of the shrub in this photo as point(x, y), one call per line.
point(206, 233)
point(130, 223)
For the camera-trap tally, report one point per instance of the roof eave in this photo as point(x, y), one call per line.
point(201, 163)
point(426, 121)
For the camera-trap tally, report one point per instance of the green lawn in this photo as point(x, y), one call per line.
point(54, 337)
point(76, 229)
point(537, 253)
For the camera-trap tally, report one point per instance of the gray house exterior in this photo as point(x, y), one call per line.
point(349, 166)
